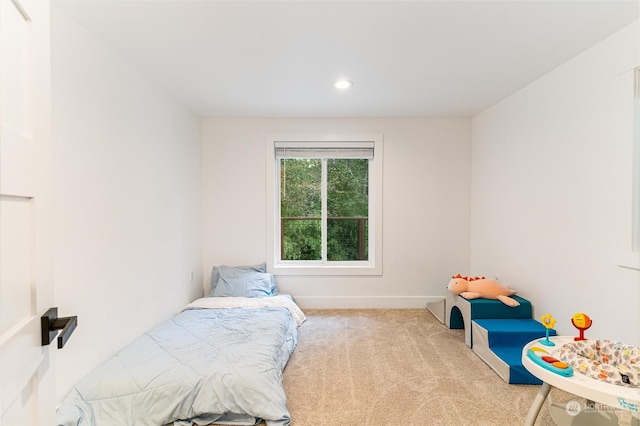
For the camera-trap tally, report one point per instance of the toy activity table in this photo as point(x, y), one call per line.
point(619, 397)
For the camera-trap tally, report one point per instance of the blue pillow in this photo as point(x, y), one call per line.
point(238, 282)
point(215, 274)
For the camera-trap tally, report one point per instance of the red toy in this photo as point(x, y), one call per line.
point(581, 322)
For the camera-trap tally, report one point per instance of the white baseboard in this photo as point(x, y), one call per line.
point(365, 302)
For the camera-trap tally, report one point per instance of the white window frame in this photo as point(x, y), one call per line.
point(372, 266)
point(635, 243)
point(632, 259)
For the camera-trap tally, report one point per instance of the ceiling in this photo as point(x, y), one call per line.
point(407, 58)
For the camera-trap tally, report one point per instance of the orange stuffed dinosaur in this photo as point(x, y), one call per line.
point(473, 288)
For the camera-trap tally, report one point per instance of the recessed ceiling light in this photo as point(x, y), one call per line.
point(343, 84)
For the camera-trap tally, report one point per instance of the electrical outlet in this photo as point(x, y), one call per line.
point(191, 276)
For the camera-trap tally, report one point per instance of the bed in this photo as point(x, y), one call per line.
point(219, 361)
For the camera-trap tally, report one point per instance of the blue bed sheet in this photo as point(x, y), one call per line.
point(202, 366)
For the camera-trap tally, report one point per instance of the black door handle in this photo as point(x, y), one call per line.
point(50, 324)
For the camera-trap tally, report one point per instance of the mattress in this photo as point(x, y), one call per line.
point(220, 360)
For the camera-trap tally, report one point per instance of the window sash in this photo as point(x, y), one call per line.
point(635, 226)
point(324, 218)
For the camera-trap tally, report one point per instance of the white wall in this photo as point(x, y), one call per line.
point(551, 191)
point(127, 200)
point(426, 174)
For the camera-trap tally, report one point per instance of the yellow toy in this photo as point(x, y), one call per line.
point(474, 288)
point(548, 322)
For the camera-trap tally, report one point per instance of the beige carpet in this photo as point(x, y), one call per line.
point(397, 367)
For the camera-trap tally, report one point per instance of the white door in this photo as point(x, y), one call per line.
point(27, 382)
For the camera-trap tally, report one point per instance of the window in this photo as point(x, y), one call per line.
point(632, 259)
point(635, 243)
point(325, 204)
